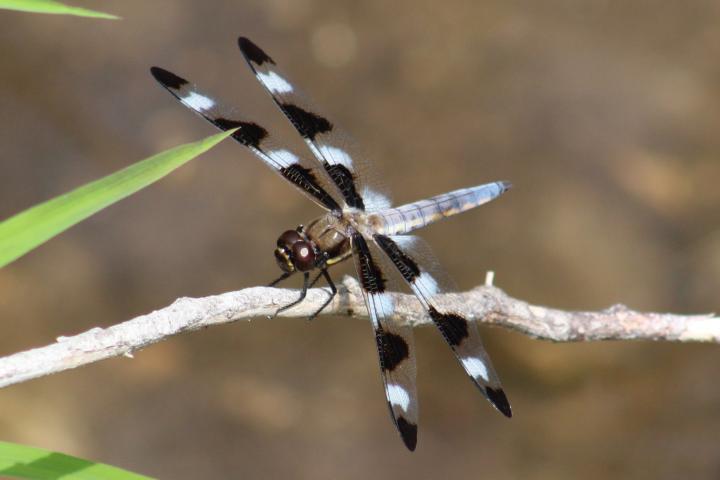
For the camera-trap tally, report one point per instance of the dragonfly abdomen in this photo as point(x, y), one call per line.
point(411, 216)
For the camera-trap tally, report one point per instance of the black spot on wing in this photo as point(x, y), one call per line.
point(452, 326)
point(307, 123)
point(406, 265)
point(249, 134)
point(408, 432)
point(304, 178)
point(371, 277)
point(253, 53)
point(499, 400)
point(345, 180)
point(393, 349)
point(168, 79)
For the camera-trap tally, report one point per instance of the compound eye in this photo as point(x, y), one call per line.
point(288, 238)
point(303, 256)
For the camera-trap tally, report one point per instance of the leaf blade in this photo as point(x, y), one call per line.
point(53, 7)
point(29, 229)
point(22, 461)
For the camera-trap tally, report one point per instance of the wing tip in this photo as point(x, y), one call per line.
point(499, 400)
point(167, 79)
point(252, 53)
point(408, 433)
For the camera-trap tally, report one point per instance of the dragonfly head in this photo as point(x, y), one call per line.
point(294, 252)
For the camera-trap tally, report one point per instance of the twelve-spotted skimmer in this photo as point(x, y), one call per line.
point(358, 222)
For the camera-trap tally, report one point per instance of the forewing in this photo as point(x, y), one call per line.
point(298, 171)
point(419, 268)
point(394, 342)
point(351, 174)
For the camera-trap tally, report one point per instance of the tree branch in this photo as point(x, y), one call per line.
point(486, 304)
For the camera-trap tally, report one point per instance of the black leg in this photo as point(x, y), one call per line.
point(314, 281)
point(333, 292)
point(306, 281)
point(282, 277)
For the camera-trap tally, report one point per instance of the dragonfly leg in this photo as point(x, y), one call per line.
point(280, 279)
point(303, 293)
point(314, 280)
point(333, 292)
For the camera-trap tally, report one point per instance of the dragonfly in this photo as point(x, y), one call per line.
point(359, 222)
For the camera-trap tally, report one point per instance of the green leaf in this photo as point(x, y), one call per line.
point(26, 230)
point(20, 461)
point(53, 7)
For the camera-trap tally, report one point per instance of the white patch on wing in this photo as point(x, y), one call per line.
point(383, 306)
point(284, 157)
point(274, 82)
point(405, 241)
point(384, 303)
point(336, 156)
point(398, 396)
point(475, 367)
point(427, 284)
point(198, 102)
point(375, 201)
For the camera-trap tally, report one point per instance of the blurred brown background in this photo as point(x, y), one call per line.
point(604, 114)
